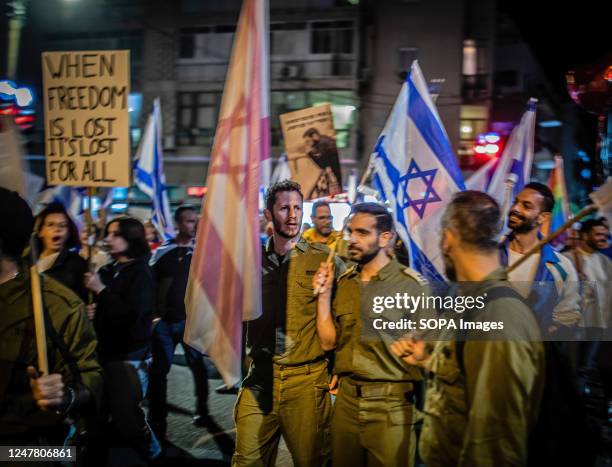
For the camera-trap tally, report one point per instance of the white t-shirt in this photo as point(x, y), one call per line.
point(597, 290)
point(522, 277)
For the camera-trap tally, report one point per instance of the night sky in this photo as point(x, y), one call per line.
point(562, 35)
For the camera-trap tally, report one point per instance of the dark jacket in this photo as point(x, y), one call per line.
point(20, 417)
point(69, 269)
point(124, 313)
point(170, 264)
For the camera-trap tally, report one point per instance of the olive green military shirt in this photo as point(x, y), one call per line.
point(18, 410)
point(286, 331)
point(481, 415)
point(362, 351)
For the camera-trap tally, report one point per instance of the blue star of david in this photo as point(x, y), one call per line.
point(430, 195)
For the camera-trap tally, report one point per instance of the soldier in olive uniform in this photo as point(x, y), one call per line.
point(373, 417)
point(33, 406)
point(483, 395)
point(286, 390)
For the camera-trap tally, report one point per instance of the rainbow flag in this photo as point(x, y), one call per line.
point(224, 286)
point(561, 211)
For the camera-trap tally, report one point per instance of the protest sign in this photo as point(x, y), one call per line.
point(310, 142)
point(86, 118)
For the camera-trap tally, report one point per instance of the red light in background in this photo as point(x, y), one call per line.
point(196, 191)
point(10, 110)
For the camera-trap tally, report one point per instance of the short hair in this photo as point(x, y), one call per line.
point(133, 232)
point(384, 220)
point(310, 132)
point(549, 200)
point(285, 185)
point(180, 210)
point(475, 217)
point(73, 240)
point(318, 204)
point(587, 226)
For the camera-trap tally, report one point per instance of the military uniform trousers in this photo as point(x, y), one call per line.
point(298, 407)
point(373, 424)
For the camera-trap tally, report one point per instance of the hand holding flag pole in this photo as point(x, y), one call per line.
point(330, 257)
point(602, 201)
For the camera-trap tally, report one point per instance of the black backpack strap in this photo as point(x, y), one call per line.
point(493, 294)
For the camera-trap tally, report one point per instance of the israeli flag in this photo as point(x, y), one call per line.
point(149, 173)
point(514, 167)
point(417, 173)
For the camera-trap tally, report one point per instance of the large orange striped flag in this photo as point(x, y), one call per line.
point(224, 285)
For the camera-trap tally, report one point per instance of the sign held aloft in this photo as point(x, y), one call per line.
point(86, 117)
point(310, 141)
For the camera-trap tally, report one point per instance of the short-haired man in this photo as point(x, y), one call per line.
point(483, 395)
point(323, 230)
point(170, 264)
point(596, 270)
point(373, 419)
point(547, 279)
point(286, 390)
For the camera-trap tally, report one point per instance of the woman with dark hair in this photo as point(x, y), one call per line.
point(122, 317)
point(58, 244)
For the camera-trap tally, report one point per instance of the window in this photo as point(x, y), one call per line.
point(405, 57)
point(331, 37)
point(471, 128)
point(212, 43)
point(197, 118)
point(289, 39)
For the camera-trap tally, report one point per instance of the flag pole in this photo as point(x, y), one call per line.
point(37, 310)
point(88, 226)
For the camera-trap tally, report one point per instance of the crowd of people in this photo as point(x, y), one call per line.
point(318, 374)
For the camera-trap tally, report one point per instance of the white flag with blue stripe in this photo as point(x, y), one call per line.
point(149, 173)
point(516, 160)
point(417, 173)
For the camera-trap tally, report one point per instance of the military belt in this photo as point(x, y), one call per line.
point(358, 388)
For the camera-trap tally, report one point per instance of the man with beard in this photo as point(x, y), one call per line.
point(286, 390)
point(483, 393)
point(373, 419)
point(323, 230)
point(546, 279)
point(596, 270)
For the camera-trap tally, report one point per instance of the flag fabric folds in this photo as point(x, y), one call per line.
point(224, 285)
point(282, 171)
point(516, 160)
point(149, 174)
point(417, 173)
